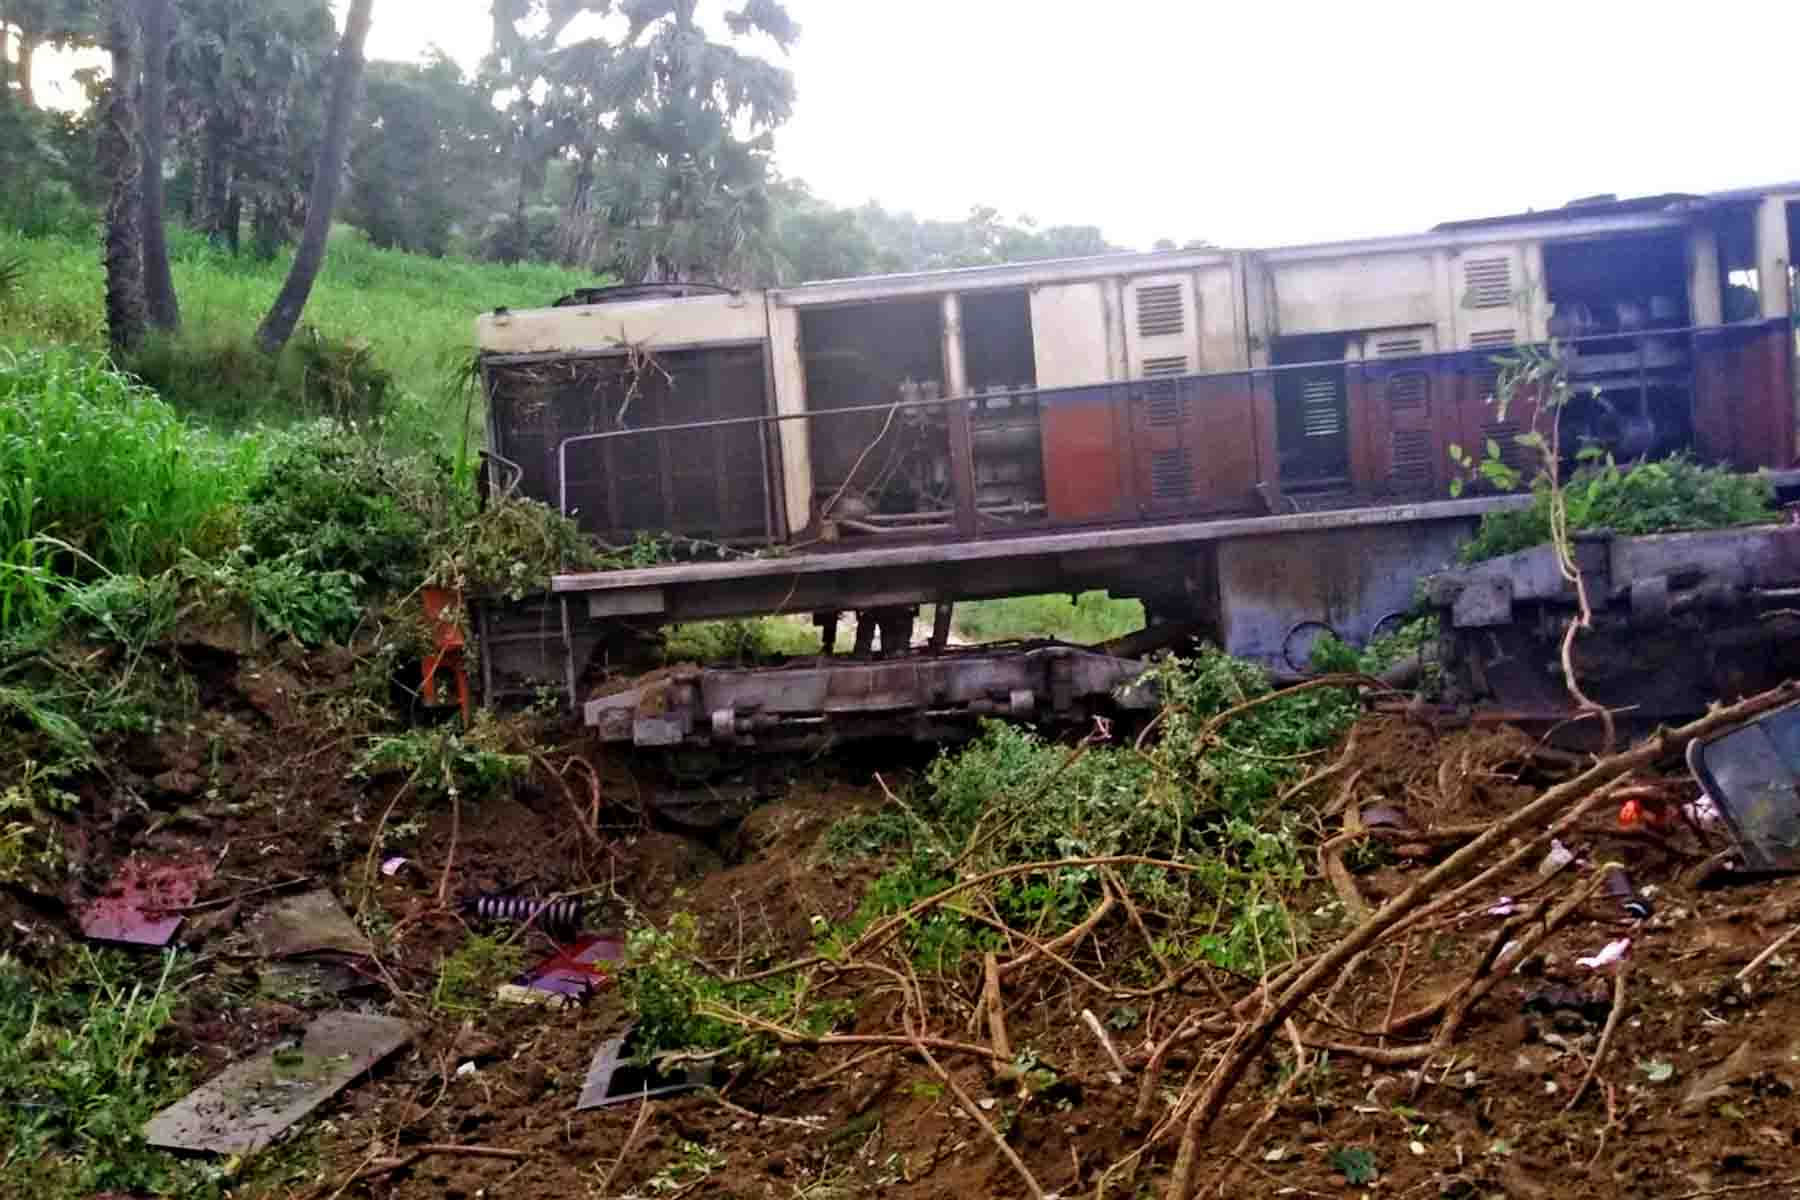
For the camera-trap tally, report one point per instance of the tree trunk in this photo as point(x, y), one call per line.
point(215, 177)
point(278, 326)
point(575, 238)
point(233, 219)
point(159, 285)
point(119, 164)
point(5, 62)
point(27, 51)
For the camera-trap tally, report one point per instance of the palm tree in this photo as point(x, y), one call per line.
point(284, 314)
point(120, 166)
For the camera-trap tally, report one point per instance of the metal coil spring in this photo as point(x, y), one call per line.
point(553, 916)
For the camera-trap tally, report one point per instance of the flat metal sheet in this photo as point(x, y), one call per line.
point(310, 923)
point(251, 1103)
point(135, 908)
point(613, 1080)
point(1752, 773)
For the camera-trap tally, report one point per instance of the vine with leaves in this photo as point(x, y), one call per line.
point(1536, 380)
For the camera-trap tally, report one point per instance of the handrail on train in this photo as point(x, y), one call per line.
point(1387, 364)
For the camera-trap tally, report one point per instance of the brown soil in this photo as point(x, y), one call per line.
point(1697, 1092)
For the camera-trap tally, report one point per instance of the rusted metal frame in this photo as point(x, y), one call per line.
point(721, 480)
point(962, 468)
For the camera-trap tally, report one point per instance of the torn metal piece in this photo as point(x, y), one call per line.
point(576, 969)
point(251, 1103)
point(140, 905)
point(613, 1079)
point(310, 923)
point(1752, 775)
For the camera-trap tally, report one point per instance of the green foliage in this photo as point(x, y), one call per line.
point(444, 761)
point(677, 1004)
point(81, 1071)
point(407, 313)
point(1652, 497)
point(668, 993)
point(468, 976)
point(1088, 618)
point(746, 641)
point(330, 500)
point(1358, 1166)
point(12, 275)
point(1198, 796)
point(98, 476)
point(511, 547)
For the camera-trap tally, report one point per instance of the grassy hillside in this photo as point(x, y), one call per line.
point(415, 315)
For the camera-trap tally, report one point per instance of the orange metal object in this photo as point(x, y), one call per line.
point(441, 605)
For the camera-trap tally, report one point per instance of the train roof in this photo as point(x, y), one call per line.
point(1584, 217)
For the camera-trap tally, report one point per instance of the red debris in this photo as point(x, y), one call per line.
point(140, 905)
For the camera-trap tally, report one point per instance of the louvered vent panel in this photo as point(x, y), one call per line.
point(1171, 475)
point(1491, 339)
point(1505, 434)
point(1488, 282)
point(1412, 457)
point(1396, 347)
point(1409, 392)
point(1163, 405)
point(1168, 364)
point(1319, 415)
point(1159, 310)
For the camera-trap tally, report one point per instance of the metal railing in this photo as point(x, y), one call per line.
point(966, 516)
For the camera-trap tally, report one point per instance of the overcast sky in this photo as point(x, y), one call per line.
point(1264, 122)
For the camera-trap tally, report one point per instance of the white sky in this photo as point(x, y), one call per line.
point(1264, 122)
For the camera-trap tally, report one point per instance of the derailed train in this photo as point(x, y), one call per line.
point(1251, 441)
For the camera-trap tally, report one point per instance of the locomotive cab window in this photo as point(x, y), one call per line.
point(1619, 305)
point(1312, 426)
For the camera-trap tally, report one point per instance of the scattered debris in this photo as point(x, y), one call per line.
point(1750, 774)
point(251, 1103)
point(560, 918)
point(310, 923)
point(144, 902)
point(574, 971)
point(1608, 955)
point(612, 1078)
point(392, 865)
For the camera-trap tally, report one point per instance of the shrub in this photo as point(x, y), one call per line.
point(1667, 496)
point(330, 500)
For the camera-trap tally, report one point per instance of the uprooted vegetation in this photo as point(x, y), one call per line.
point(1667, 496)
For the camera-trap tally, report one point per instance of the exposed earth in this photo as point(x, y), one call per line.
point(1696, 1095)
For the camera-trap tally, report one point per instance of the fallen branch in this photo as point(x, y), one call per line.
point(1729, 1189)
point(1331, 865)
point(1768, 952)
point(996, 1008)
point(1099, 1030)
point(1551, 803)
point(913, 997)
point(637, 1129)
point(876, 936)
point(1606, 1034)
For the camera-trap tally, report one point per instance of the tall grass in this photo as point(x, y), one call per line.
point(414, 314)
point(99, 476)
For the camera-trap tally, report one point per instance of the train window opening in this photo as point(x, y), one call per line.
point(880, 464)
point(1740, 282)
point(1312, 426)
point(997, 345)
point(1620, 304)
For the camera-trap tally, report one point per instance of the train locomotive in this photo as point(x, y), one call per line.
point(1252, 442)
